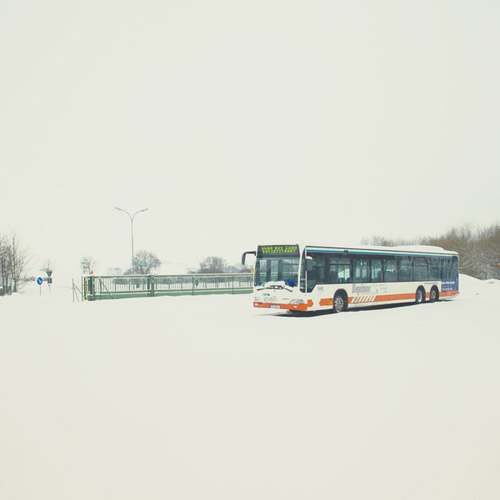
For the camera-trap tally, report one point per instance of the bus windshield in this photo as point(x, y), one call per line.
point(277, 263)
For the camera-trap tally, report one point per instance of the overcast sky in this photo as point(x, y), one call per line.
point(239, 123)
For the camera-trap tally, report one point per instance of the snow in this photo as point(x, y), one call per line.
point(420, 248)
point(206, 397)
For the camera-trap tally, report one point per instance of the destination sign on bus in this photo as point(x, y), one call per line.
point(278, 250)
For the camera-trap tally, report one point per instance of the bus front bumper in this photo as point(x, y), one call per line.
point(292, 306)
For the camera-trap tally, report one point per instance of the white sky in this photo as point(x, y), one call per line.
point(239, 123)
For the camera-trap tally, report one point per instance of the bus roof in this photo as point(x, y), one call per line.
point(419, 250)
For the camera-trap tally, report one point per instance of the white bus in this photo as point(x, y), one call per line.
point(314, 278)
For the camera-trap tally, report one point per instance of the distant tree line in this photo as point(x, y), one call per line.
point(213, 264)
point(13, 262)
point(146, 263)
point(478, 248)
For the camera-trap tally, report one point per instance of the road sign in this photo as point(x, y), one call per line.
point(39, 281)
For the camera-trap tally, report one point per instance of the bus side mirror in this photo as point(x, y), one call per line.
point(243, 257)
point(309, 263)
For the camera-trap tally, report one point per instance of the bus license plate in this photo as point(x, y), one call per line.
point(274, 307)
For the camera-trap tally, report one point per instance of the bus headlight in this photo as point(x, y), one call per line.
point(297, 301)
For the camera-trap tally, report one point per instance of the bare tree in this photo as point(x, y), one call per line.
point(13, 262)
point(238, 268)
point(468, 242)
point(144, 263)
point(4, 265)
point(87, 264)
point(18, 261)
point(212, 265)
point(382, 241)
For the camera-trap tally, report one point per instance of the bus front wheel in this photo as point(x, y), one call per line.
point(434, 294)
point(420, 295)
point(339, 302)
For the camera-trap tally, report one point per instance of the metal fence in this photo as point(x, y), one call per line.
point(117, 287)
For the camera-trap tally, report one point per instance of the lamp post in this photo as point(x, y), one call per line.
point(132, 230)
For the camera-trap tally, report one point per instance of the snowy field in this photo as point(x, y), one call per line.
point(207, 398)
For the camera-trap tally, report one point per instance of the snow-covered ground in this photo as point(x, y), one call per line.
point(207, 398)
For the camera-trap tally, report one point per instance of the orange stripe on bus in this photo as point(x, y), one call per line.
point(395, 296)
point(379, 298)
point(364, 299)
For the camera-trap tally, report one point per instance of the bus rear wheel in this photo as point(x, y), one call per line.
point(420, 295)
point(339, 302)
point(434, 296)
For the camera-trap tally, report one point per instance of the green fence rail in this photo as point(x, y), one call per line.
point(119, 287)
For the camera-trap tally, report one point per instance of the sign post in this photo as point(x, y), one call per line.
point(40, 281)
point(49, 278)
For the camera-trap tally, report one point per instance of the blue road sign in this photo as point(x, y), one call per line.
point(39, 281)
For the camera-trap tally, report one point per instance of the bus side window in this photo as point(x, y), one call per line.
point(320, 258)
point(311, 280)
point(346, 274)
point(376, 269)
point(317, 274)
point(446, 268)
point(420, 270)
point(339, 269)
point(390, 269)
point(312, 275)
point(303, 272)
point(454, 267)
point(405, 267)
point(434, 272)
point(361, 270)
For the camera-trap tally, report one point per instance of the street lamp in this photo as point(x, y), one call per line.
point(132, 229)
